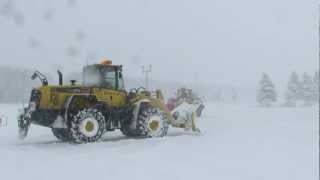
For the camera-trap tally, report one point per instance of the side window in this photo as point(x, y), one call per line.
point(91, 76)
point(110, 79)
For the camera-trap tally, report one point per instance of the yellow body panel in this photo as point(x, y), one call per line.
point(113, 98)
point(54, 97)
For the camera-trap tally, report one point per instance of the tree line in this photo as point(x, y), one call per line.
point(302, 90)
point(15, 87)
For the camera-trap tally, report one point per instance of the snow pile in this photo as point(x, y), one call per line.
point(236, 143)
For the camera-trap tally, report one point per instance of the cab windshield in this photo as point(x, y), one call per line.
point(101, 76)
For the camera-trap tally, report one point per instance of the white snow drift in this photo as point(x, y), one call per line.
point(236, 143)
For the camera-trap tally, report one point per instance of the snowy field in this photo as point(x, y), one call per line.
point(237, 143)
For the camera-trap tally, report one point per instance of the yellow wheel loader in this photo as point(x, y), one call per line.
point(82, 113)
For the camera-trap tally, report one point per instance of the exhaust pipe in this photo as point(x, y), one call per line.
point(60, 78)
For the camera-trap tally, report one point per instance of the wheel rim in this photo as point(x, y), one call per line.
point(89, 127)
point(155, 126)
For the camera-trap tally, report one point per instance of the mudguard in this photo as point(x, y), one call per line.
point(136, 110)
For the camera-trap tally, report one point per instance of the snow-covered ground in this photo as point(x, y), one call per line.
point(237, 143)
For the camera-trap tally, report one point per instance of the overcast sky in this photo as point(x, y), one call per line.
point(214, 41)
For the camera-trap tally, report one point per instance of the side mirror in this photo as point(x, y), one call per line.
point(120, 75)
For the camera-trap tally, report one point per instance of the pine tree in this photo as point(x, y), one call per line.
point(266, 94)
point(307, 90)
point(316, 87)
point(293, 92)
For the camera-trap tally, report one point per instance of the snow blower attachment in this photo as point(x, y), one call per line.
point(83, 113)
point(186, 96)
point(184, 116)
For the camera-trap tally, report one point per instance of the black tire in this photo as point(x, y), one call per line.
point(149, 116)
point(62, 134)
point(127, 117)
point(125, 129)
point(87, 126)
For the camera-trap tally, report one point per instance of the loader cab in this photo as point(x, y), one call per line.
point(104, 75)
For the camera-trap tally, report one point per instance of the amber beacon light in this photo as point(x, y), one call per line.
point(106, 62)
